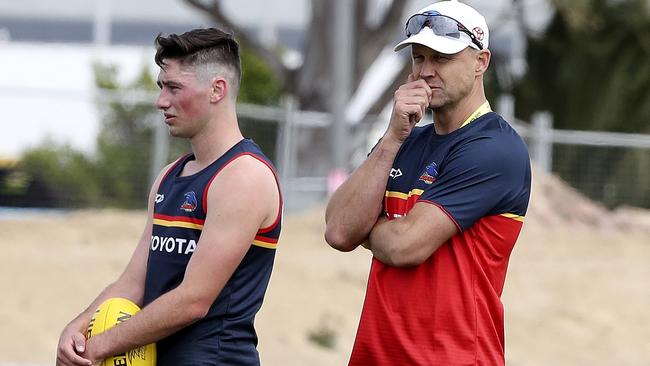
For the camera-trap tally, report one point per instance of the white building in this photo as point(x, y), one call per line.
point(48, 48)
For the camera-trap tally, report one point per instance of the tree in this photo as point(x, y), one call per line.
point(124, 141)
point(316, 70)
point(56, 176)
point(118, 173)
point(124, 145)
point(591, 70)
point(591, 67)
point(311, 82)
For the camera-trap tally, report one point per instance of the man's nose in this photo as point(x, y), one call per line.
point(162, 102)
point(428, 69)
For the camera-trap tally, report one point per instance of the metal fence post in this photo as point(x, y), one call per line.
point(542, 144)
point(342, 62)
point(159, 147)
point(284, 144)
point(505, 106)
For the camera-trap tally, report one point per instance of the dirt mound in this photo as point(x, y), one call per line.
point(577, 279)
point(554, 203)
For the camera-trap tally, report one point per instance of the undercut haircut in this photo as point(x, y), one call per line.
point(209, 51)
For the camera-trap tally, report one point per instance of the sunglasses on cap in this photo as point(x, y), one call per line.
point(441, 25)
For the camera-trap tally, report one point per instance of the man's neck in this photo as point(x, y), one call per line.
point(219, 136)
point(450, 118)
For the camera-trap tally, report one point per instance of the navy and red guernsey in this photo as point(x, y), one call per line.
point(226, 336)
point(447, 310)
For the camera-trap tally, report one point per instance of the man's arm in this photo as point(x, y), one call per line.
point(130, 285)
point(241, 199)
point(354, 207)
point(484, 176)
point(409, 240)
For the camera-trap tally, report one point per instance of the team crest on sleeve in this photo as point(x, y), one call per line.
point(430, 173)
point(190, 203)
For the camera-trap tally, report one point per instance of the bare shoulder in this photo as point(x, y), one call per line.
point(248, 171)
point(249, 182)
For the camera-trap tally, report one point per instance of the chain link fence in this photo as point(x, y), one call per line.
point(611, 168)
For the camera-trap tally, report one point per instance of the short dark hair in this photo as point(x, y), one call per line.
point(199, 47)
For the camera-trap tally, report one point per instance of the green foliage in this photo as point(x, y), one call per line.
point(60, 176)
point(258, 83)
point(118, 174)
point(259, 86)
point(591, 69)
point(124, 143)
point(13, 183)
point(264, 133)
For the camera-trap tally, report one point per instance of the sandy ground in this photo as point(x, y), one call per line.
point(573, 296)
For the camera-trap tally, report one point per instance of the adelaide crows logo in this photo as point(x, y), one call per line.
point(430, 173)
point(189, 205)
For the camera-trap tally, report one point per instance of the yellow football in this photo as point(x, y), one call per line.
point(114, 311)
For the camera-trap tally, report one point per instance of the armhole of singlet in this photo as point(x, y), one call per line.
point(277, 184)
point(178, 161)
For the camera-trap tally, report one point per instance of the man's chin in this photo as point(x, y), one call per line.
point(436, 105)
point(442, 103)
point(174, 132)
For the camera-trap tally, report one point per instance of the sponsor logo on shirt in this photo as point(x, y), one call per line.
point(394, 173)
point(172, 245)
point(159, 197)
point(430, 173)
point(190, 203)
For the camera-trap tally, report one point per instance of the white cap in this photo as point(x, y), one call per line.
point(465, 15)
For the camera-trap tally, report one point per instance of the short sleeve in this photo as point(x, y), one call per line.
point(483, 176)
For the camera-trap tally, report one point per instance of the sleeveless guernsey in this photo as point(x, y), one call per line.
point(226, 336)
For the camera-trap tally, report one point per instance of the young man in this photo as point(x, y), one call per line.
point(439, 206)
point(203, 262)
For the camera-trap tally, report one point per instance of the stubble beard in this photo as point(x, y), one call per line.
point(441, 102)
point(449, 100)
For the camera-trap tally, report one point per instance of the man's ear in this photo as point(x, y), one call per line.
point(219, 89)
point(482, 61)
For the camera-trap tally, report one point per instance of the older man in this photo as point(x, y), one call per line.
point(439, 206)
